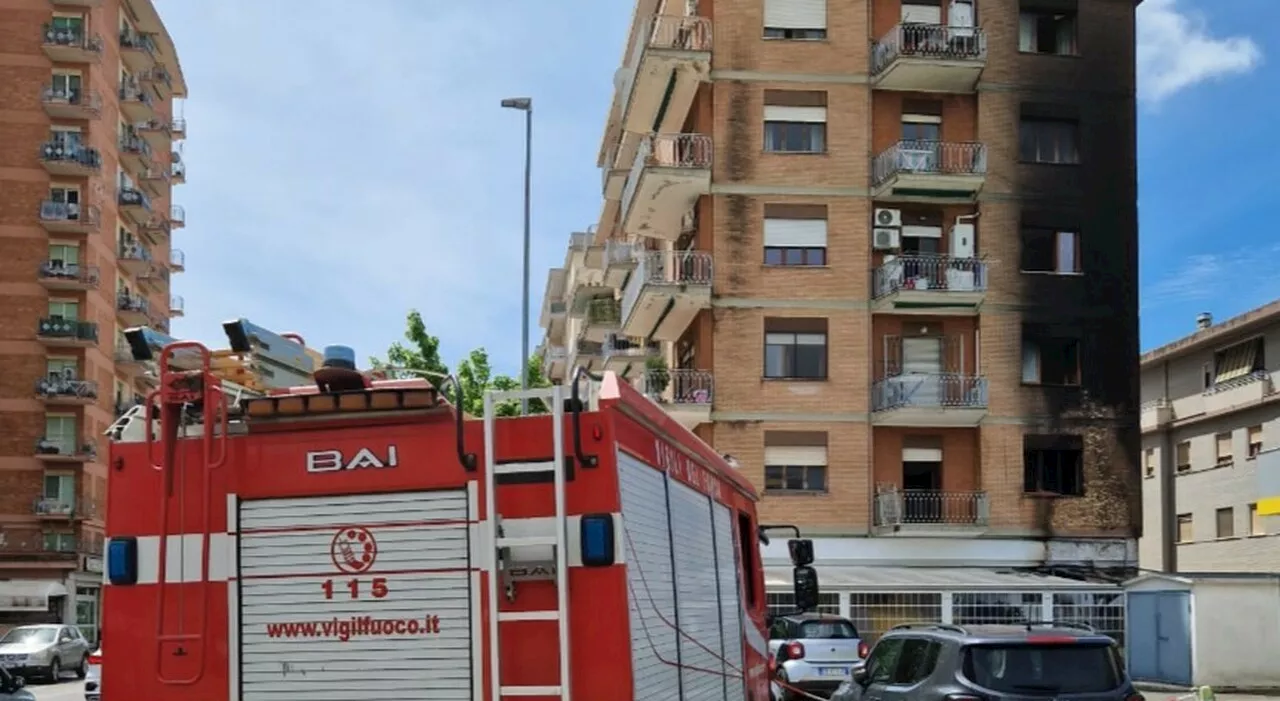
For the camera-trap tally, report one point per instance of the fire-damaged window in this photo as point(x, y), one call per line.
point(1049, 133)
point(1050, 356)
point(795, 461)
point(1047, 27)
point(1053, 464)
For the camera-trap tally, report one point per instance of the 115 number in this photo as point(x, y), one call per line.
point(377, 587)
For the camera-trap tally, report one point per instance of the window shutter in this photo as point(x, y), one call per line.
point(796, 455)
point(782, 113)
point(796, 233)
point(922, 355)
point(921, 14)
point(795, 14)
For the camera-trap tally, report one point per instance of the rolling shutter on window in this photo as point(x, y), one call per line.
point(921, 14)
point(1236, 361)
point(795, 14)
point(796, 455)
point(795, 233)
point(782, 113)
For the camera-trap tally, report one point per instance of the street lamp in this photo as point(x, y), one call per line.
point(524, 104)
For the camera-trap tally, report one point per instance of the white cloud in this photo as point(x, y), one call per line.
point(1176, 51)
point(1235, 274)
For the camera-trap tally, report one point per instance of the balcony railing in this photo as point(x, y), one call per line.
point(178, 128)
point(62, 214)
point(137, 41)
point(134, 144)
point(66, 388)
point(928, 41)
point(71, 154)
point(71, 101)
point(680, 386)
point(16, 543)
point(72, 38)
point(617, 345)
point(129, 197)
point(930, 272)
point(58, 328)
point(49, 447)
point(127, 302)
point(178, 171)
point(666, 268)
point(929, 158)
point(72, 274)
point(662, 32)
point(679, 151)
point(157, 75)
point(177, 306)
point(178, 262)
point(603, 312)
point(133, 251)
point(931, 508)
point(178, 216)
point(943, 390)
point(53, 507)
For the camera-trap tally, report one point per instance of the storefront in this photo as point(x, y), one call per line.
point(87, 613)
point(26, 601)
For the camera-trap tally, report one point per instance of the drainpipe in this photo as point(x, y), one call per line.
point(1168, 492)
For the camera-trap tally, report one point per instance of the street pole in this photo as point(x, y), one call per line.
point(525, 104)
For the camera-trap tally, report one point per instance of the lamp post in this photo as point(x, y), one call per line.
point(524, 104)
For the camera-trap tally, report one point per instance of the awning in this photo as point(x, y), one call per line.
point(920, 579)
point(28, 594)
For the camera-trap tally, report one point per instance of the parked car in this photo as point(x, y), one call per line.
point(811, 653)
point(93, 681)
point(44, 651)
point(12, 688)
point(1059, 661)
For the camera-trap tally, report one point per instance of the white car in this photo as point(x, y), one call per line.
point(93, 680)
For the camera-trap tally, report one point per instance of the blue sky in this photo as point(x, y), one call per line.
point(344, 167)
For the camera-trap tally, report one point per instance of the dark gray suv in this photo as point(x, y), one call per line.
point(932, 661)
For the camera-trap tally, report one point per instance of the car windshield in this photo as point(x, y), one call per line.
point(42, 636)
point(1043, 670)
point(827, 630)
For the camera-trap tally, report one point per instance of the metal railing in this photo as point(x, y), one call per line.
point(36, 543)
point(132, 92)
point(177, 215)
point(86, 448)
point(57, 327)
point(130, 197)
point(621, 253)
point(688, 151)
point(51, 211)
point(929, 41)
point(177, 304)
point(178, 170)
point(137, 41)
point(909, 157)
point(130, 142)
point(66, 388)
point(156, 125)
point(132, 250)
point(945, 390)
point(129, 302)
point(88, 99)
point(178, 126)
point(668, 32)
point(76, 154)
point(666, 268)
point(929, 272)
point(929, 507)
point(680, 386)
point(70, 272)
point(53, 507)
point(618, 345)
point(156, 74)
point(603, 312)
point(177, 259)
point(72, 38)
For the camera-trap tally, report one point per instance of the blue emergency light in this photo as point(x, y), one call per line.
point(597, 540)
point(122, 561)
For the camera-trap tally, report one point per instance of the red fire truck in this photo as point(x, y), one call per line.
point(356, 538)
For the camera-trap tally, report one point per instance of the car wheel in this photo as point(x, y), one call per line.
point(83, 670)
point(55, 670)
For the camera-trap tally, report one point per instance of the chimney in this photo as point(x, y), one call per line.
point(1204, 320)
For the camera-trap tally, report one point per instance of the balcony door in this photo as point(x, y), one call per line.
point(922, 364)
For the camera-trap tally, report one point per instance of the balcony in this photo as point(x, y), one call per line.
point(686, 395)
point(584, 354)
point(66, 391)
point(602, 318)
point(935, 400)
point(133, 258)
point(133, 310)
point(665, 292)
point(670, 57)
point(1238, 393)
point(70, 159)
point(59, 275)
point(137, 50)
point(156, 228)
point(57, 449)
point(136, 105)
point(65, 218)
point(56, 332)
point(938, 169)
point(135, 153)
point(628, 356)
point(71, 104)
point(125, 361)
point(929, 58)
point(155, 279)
point(669, 174)
point(177, 216)
point(553, 362)
point(158, 79)
point(178, 173)
point(930, 512)
point(154, 181)
point(51, 547)
point(71, 45)
point(925, 284)
point(134, 203)
point(555, 319)
point(178, 128)
point(157, 134)
point(177, 306)
point(178, 261)
point(618, 260)
point(54, 510)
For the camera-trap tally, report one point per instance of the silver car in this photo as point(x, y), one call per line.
point(11, 688)
point(810, 654)
point(44, 651)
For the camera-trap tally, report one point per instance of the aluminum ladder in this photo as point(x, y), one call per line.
point(554, 398)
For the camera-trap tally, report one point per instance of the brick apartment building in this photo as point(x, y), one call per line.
point(883, 253)
point(89, 153)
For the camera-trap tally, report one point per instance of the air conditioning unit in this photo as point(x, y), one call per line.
point(886, 239)
point(888, 218)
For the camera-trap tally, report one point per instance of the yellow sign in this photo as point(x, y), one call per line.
point(1269, 506)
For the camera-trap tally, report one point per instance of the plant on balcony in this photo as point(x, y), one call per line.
point(657, 375)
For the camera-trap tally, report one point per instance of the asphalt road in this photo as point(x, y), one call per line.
point(66, 691)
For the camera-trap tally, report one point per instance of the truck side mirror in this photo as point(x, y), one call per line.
point(805, 580)
point(801, 551)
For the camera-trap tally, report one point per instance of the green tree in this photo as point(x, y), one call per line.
point(475, 374)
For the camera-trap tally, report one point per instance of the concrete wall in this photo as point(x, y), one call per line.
point(1237, 633)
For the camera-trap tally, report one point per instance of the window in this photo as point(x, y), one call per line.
point(63, 255)
point(919, 657)
point(883, 661)
point(1222, 449)
point(66, 138)
point(1185, 534)
point(1050, 358)
point(62, 368)
point(60, 489)
point(1239, 361)
point(795, 349)
point(1068, 669)
point(1225, 521)
point(1044, 140)
point(66, 86)
point(1255, 441)
point(1050, 251)
point(795, 121)
point(795, 462)
point(795, 19)
point(1206, 371)
point(1255, 521)
point(60, 431)
point(1183, 463)
point(1053, 464)
point(1044, 32)
point(795, 235)
point(1149, 462)
point(68, 25)
point(60, 542)
point(748, 550)
point(68, 311)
